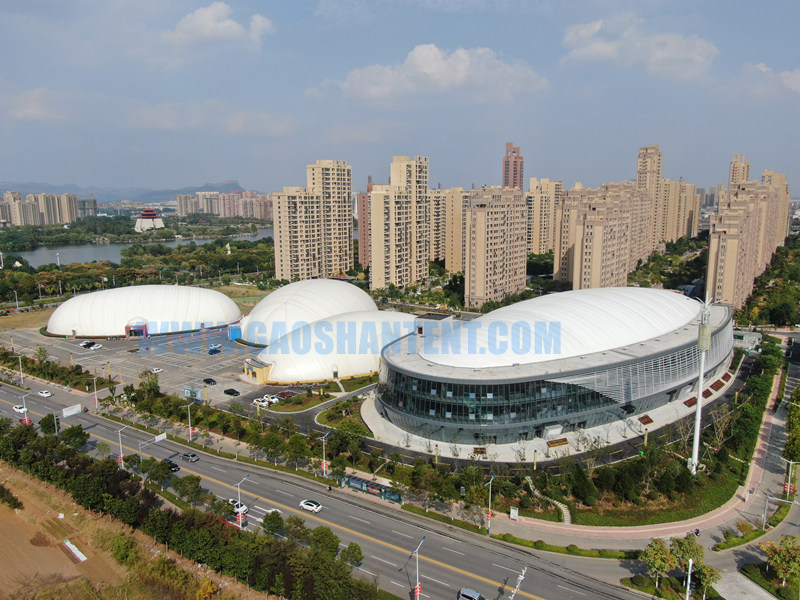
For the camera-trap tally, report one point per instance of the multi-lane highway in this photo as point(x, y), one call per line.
point(448, 559)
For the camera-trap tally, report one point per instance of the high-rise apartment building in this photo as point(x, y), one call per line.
point(648, 178)
point(456, 200)
point(314, 225)
point(542, 198)
point(752, 220)
point(438, 220)
point(364, 224)
point(739, 171)
point(496, 245)
point(400, 225)
point(208, 202)
point(602, 234)
point(513, 171)
point(681, 210)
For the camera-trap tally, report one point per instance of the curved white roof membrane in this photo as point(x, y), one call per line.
point(165, 308)
point(567, 324)
point(299, 303)
point(348, 344)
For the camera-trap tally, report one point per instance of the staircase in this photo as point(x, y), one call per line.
point(566, 516)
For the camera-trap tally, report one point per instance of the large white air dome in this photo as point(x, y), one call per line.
point(588, 321)
point(299, 303)
point(163, 308)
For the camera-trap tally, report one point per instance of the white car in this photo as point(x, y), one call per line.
point(20, 409)
point(96, 347)
point(260, 403)
point(45, 394)
point(214, 346)
point(238, 507)
point(311, 506)
point(156, 370)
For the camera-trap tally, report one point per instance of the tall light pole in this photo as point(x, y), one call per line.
point(58, 260)
point(791, 463)
point(418, 587)
point(21, 379)
point(489, 519)
point(121, 455)
point(189, 407)
point(703, 344)
point(324, 456)
point(1, 260)
point(94, 379)
point(239, 499)
point(24, 404)
point(16, 299)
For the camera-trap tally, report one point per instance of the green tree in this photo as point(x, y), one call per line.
point(295, 529)
point(189, 488)
point(352, 555)
point(272, 522)
point(707, 576)
point(278, 586)
point(683, 549)
point(156, 470)
point(74, 436)
point(48, 424)
point(296, 448)
point(103, 450)
point(41, 354)
point(784, 556)
point(657, 558)
point(324, 540)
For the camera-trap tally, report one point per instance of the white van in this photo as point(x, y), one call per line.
point(468, 594)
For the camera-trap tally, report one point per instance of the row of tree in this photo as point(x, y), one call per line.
point(662, 558)
point(302, 565)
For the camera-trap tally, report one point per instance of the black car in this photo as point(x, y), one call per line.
point(231, 392)
point(214, 351)
point(210, 381)
point(173, 466)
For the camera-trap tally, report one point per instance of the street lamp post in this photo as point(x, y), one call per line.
point(791, 463)
point(489, 520)
point(121, 455)
point(40, 291)
point(21, 379)
point(703, 344)
point(189, 408)
point(94, 379)
point(324, 456)
point(239, 499)
point(24, 404)
point(16, 299)
point(58, 260)
point(418, 587)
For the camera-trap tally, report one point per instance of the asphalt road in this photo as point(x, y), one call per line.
point(448, 559)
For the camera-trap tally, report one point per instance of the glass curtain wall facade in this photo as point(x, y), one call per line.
point(497, 411)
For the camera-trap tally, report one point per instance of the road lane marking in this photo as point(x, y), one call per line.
point(436, 580)
point(384, 561)
point(218, 469)
point(359, 519)
point(506, 568)
point(397, 584)
point(454, 551)
point(367, 572)
point(403, 534)
point(571, 590)
point(285, 493)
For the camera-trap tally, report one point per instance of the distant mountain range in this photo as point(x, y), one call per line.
point(105, 194)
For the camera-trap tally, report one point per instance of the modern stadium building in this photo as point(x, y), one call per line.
point(550, 365)
point(143, 310)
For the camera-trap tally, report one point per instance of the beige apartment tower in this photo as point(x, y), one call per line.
point(314, 225)
point(400, 225)
point(497, 245)
point(751, 222)
point(542, 199)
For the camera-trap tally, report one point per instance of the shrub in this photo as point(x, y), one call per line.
point(540, 545)
point(573, 549)
point(640, 581)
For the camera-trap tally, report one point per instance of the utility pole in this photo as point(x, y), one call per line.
point(703, 344)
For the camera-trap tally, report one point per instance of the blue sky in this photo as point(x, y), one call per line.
point(171, 93)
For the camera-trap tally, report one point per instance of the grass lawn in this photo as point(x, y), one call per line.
point(25, 320)
point(713, 495)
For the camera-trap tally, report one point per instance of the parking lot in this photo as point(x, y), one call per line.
point(184, 361)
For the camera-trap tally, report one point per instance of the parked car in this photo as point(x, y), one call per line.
point(87, 344)
point(20, 409)
point(285, 394)
point(214, 346)
point(260, 403)
point(311, 506)
point(213, 351)
point(173, 466)
point(190, 456)
point(95, 346)
point(238, 507)
point(231, 392)
point(45, 393)
point(210, 381)
point(156, 370)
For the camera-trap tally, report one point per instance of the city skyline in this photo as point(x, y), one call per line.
point(161, 95)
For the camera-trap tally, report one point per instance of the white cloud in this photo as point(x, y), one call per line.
point(763, 80)
point(624, 42)
point(211, 24)
point(429, 71)
point(34, 105)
